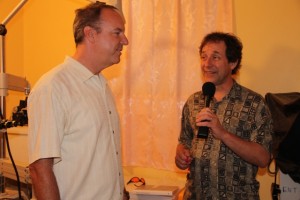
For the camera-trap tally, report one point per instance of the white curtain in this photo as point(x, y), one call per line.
point(159, 70)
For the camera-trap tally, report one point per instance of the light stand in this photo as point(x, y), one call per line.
point(8, 82)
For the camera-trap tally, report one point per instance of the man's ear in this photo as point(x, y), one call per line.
point(233, 65)
point(89, 33)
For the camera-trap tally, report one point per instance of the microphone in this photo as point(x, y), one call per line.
point(208, 90)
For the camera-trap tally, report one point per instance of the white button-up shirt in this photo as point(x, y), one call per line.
point(73, 119)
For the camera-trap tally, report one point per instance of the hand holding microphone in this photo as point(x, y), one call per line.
point(208, 90)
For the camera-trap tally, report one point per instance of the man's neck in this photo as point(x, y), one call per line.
point(223, 89)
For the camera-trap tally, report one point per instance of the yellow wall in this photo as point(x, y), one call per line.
point(270, 33)
point(40, 36)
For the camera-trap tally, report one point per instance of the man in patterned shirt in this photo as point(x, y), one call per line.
point(225, 164)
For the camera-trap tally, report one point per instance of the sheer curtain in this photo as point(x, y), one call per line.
point(159, 70)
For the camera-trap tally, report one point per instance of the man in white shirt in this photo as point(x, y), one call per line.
point(74, 133)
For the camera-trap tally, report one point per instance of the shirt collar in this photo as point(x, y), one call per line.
point(235, 92)
point(82, 72)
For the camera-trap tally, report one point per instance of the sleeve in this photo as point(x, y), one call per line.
point(264, 121)
point(45, 124)
point(186, 132)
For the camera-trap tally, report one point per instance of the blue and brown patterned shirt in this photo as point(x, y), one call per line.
point(216, 172)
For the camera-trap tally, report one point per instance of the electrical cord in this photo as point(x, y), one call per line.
point(14, 165)
point(4, 125)
point(19, 119)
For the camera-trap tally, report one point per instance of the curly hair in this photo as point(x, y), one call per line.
point(233, 47)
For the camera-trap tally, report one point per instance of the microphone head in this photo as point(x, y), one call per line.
point(208, 89)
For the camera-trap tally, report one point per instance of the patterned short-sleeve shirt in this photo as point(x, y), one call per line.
point(216, 172)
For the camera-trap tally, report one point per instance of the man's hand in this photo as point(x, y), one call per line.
point(183, 157)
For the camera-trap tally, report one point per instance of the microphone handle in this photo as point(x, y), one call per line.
point(203, 130)
point(207, 100)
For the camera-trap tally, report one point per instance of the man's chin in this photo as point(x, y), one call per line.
point(116, 61)
point(208, 80)
point(116, 58)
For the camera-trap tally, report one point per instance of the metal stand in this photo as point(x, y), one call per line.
point(8, 82)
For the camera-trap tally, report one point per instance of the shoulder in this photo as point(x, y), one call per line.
point(194, 101)
point(196, 95)
point(50, 79)
point(194, 98)
point(248, 93)
point(255, 100)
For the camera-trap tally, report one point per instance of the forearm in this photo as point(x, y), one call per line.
point(249, 151)
point(43, 180)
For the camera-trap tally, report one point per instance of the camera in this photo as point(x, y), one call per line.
point(19, 114)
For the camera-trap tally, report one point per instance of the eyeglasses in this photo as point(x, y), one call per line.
point(137, 180)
